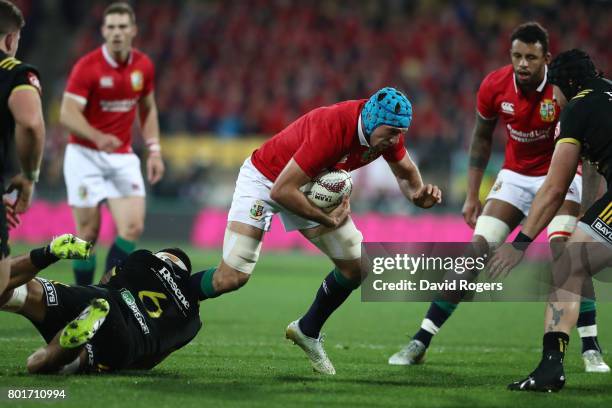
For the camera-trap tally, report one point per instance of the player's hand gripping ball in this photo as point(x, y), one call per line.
point(327, 189)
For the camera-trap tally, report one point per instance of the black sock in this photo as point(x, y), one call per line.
point(118, 252)
point(438, 312)
point(42, 257)
point(331, 294)
point(587, 328)
point(554, 345)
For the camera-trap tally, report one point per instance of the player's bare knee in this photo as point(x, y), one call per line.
point(132, 231)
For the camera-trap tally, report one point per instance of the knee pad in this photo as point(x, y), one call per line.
point(240, 252)
point(562, 226)
point(343, 243)
point(492, 229)
point(17, 299)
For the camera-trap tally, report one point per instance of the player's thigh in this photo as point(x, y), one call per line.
point(503, 211)
point(123, 176)
point(84, 174)
point(568, 207)
point(251, 202)
point(128, 214)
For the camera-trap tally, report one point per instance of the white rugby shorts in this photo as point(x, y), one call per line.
point(520, 190)
point(92, 176)
point(252, 205)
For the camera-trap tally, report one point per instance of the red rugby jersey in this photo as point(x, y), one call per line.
point(529, 120)
point(324, 138)
point(110, 92)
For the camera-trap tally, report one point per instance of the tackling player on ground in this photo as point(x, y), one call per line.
point(347, 135)
point(105, 90)
point(518, 95)
point(141, 311)
point(583, 130)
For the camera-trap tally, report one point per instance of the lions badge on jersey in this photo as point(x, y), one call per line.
point(257, 210)
point(547, 110)
point(497, 186)
point(137, 81)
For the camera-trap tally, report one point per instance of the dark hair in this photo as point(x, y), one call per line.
point(531, 33)
point(11, 18)
point(120, 7)
point(180, 254)
point(570, 69)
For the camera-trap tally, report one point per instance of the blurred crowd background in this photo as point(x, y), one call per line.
point(231, 73)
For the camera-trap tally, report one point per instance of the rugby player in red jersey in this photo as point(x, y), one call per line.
point(520, 96)
point(105, 90)
point(347, 135)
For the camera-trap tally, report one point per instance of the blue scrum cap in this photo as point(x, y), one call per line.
point(389, 107)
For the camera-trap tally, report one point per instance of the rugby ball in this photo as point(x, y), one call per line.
point(327, 189)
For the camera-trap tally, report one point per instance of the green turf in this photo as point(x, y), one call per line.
point(241, 358)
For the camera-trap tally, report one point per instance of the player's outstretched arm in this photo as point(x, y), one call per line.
point(26, 108)
point(411, 184)
point(480, 153)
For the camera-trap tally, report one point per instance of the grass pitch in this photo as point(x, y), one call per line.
point(240, 358)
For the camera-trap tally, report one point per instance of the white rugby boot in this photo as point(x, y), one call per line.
point(594, 362)
point(411, 354)
point(312, 347)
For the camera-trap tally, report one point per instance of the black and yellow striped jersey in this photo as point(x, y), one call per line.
point(587, 122)
point(14, 75)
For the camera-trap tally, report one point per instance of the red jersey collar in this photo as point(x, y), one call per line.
point(362, 139)
point(540, 87)
point(111, 61)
